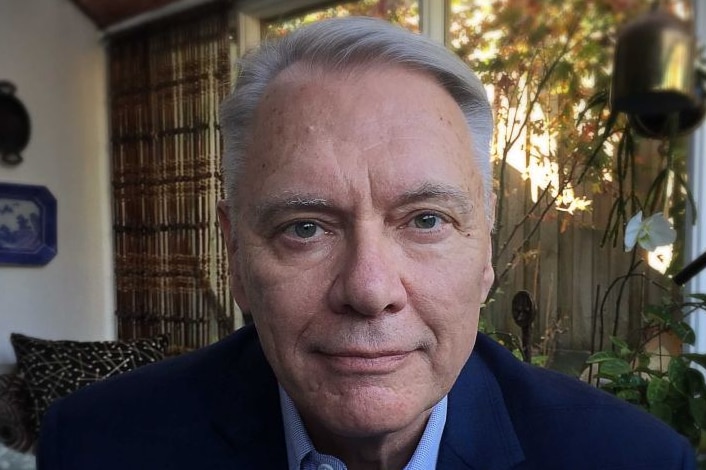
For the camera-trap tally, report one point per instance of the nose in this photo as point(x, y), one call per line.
point(369, 280)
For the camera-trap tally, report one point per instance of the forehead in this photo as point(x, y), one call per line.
point(387, 124)
point(305, 94)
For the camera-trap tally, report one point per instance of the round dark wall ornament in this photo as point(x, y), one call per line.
point(14, 125)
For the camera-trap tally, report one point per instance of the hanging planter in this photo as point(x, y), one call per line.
point(14, 125)
point(655, 81)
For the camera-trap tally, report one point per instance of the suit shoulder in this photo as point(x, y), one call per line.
point(530, 386)
point(193, 411)
point(554, 414)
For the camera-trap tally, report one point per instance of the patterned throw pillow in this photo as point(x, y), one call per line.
point(53, 369)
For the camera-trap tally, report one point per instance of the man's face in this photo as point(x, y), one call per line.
point(361, 245)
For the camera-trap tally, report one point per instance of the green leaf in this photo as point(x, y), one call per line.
point(632, 381)
point(622, 346)
point(657, 390)
point(683, 331)
point(540, 360)
point(601, 356)
point(619, 343)
point(662, 411)
point(631, 395)
point(677, 374)
point(695, 383)
point(658, 314)
point(700, 359)
point(614, 368)
point(697, 407)
point(643, 361)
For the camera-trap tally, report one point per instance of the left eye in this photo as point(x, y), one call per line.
point(427, 221)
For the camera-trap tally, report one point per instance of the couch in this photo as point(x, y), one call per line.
point(47, 370)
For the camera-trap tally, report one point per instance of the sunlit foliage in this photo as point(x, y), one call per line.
point(402, 12)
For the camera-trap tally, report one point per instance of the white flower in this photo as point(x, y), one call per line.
point(650, 233)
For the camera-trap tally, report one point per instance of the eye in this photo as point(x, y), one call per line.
point(427, 221)
point(304, 229)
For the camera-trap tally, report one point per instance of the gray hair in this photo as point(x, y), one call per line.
point(341, 44)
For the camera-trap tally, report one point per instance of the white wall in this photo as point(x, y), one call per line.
point(53, 55)
point(696, 234)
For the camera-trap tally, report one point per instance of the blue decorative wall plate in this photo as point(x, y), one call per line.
point(27, 224)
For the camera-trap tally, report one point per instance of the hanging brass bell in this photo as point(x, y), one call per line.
point(654, 78)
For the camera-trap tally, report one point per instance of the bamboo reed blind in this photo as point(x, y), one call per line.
point(166, 82)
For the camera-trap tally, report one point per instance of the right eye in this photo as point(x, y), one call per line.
point(304, 229)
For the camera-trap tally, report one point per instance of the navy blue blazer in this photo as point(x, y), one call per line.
point(218, 408)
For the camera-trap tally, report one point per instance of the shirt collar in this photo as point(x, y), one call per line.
point(297, 439)
point(299, 444)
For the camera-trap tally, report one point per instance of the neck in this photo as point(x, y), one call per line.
point(386, 451)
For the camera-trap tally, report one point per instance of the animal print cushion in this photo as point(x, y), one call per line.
point(53, 369)
point(16, 431)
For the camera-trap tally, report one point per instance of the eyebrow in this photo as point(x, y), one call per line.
point(459, 199)
point(287, 203)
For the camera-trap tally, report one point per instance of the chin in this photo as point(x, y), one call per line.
point(371, 411)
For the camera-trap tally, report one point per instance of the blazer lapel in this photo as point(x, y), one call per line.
point(478, 433)
point(245, 408)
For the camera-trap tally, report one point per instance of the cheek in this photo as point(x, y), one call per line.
point(449, 294)
point(454, 277)
point(282, 298)
point(272, 284)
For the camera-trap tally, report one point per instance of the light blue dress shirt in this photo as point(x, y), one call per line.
point(302, 455)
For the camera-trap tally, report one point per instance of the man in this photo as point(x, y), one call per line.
point(358, 219)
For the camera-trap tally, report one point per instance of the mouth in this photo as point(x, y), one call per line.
point(365, 362)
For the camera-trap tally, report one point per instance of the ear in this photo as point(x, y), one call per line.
point(231, 241)
point(492, 199)
point(488, 275)
point(488, 271)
